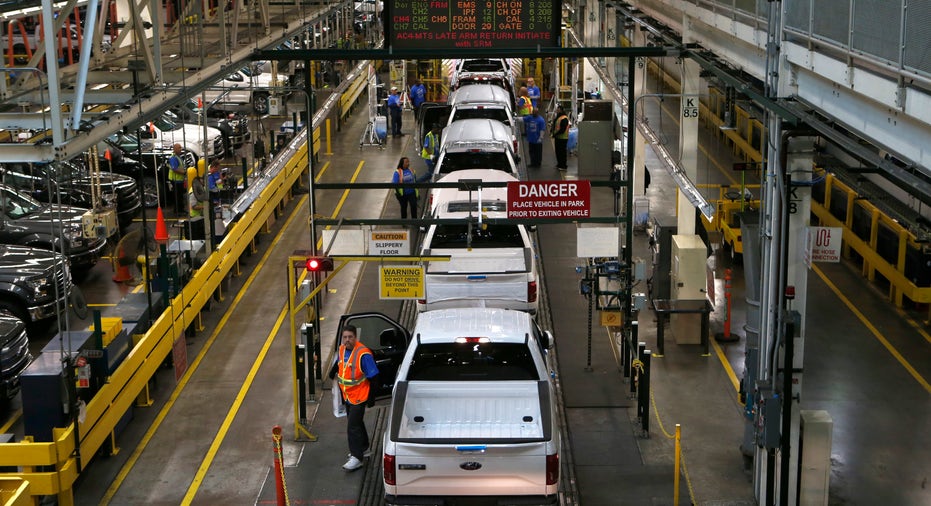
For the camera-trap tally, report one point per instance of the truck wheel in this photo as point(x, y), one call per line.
point(149, 193)
point(260, 103)
point(14, 308)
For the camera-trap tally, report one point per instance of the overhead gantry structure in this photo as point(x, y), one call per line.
point(115, 64)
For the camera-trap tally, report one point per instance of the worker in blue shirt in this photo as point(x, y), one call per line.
point(418, 97)
point(533, 92)
point(394, 110)
point(407, 196)
point(535, 126)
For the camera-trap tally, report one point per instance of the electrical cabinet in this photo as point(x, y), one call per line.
point(596, 139)
point(688, 283)
point(664, 228)
point(44, 396)
point(816, 430)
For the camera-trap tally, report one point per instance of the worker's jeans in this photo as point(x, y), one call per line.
point(355, 429)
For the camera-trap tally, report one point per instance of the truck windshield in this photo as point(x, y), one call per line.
point(493, 236)
point(472, 362)
point(496, 113)
point(16, 205)
point(474, 160)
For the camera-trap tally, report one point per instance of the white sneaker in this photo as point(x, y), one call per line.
point(352, 464)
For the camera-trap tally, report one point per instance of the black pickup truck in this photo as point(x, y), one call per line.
point(14, 358)
point(71, 183)
point(35, 284)
point(26, 222)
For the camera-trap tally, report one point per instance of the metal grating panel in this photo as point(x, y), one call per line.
point(831, 20)
point(917, 35)
point(798, 14)
point(880, 39)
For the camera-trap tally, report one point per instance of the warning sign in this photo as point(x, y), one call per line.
point(400, 282)
point(549, 199)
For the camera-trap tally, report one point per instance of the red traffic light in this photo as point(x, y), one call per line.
point(319, 264)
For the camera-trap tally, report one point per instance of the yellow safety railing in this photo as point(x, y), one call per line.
point(349, 97)
point(745, 139)
point(894, 272)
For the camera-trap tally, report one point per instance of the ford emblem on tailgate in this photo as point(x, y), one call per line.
point(471, 466)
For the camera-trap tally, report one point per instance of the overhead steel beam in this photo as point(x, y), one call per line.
point(745, 88)
point(916, 186)
point(157, 100)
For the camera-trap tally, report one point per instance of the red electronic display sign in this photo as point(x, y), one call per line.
point(484, 24)
point(549, 199)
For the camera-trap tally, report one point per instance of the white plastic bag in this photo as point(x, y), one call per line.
point(339, 409)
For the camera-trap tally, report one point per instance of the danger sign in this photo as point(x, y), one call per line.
point(549, 199)
point(400, 282)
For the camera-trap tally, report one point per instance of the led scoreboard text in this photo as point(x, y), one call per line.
point(438, 24)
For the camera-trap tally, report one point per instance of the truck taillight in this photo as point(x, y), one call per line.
point(532, 291)
point(421, 301)
point(514, 144)
point(391, 476)
point(552, 469)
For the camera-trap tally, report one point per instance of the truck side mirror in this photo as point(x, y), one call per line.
point(548, 341)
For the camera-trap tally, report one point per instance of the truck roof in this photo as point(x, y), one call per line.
point(500, 325)
point(442, 196)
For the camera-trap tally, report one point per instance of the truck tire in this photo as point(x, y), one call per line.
point(149, 193)
point(260, 103)
point(15, 308)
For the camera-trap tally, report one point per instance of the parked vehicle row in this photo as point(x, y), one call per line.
point(473, 411)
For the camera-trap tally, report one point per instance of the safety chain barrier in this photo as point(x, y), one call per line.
point(637, 361)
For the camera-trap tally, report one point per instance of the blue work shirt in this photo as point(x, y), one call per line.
point(534, 93)
point(418, 94)
point(535, 126)
point(394, 102)
point(213, 179)
point(368, 364)
point(409, 176)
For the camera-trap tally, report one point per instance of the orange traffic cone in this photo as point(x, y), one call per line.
point(122, 271)
point(161, 231)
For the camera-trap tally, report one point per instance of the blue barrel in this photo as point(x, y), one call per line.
point(573, 138)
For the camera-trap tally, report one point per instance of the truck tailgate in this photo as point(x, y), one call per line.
point(436, 412)
point(444, 470)
point(500, 274)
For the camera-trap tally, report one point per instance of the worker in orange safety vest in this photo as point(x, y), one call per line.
point(354, 371)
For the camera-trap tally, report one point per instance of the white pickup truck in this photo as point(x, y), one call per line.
point(490, 264)
point(473, 410)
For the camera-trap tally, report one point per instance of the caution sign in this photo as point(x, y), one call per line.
point(390, 242)
point(400, 282)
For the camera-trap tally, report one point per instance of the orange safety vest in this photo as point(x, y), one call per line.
point(349, 374)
